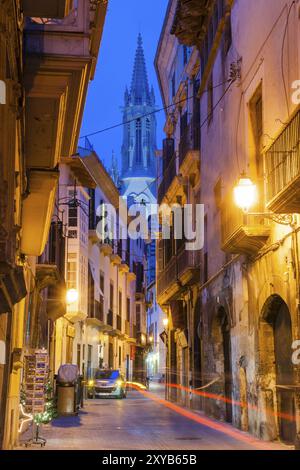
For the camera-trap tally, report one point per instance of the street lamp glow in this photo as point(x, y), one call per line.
point(151, 339)
point(72, 296)
point(165, 322)
point(245, 193)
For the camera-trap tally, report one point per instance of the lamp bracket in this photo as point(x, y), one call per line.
point(281, 219)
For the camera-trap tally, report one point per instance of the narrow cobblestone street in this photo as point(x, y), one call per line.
point(142, 423)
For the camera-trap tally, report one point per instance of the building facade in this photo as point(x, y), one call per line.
point(138, 181)
point(48, 55)
point(240, 62)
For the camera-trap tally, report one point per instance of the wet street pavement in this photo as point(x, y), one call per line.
point(144, 421)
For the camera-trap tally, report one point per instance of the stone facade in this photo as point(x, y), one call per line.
point(248, 294)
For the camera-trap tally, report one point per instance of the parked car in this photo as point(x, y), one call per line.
point(107, 383)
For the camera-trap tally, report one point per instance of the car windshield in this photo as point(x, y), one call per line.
point(107, 374)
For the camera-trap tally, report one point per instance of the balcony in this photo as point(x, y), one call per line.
point(168, 177)
point(110, 318)
point(127, 328)
point(202, 24)
point(188, 266)
point(37, 211)
point(124, 267)
point(181, 270)
point(61, 52)
point(131, 276)
point(119, 323)
point(189, 150)
point(106, 247)
point(283, 170)
point(131, 333)
point(46, 8)
point(115, 259)
point(167, 284)
point(96, 314)
point(242, 233)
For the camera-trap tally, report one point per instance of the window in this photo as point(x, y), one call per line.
point(227, 35)
point(138, 141)
point(120, 303)
point(72, 271)
point(120, 356)
point(256, 115)
point(128, 309)
point(148, 140)
point(73, 216)
point(78, 355)
point(210, 100)
point(102, 282)
point(173, 90)
point(218, 193)
point(138, 317)
point(111, 297)
point(185, 55)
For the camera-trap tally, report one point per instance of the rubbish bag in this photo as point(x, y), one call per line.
point(67, 373)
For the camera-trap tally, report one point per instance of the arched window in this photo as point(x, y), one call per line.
point(148, 139)
point(138, 141)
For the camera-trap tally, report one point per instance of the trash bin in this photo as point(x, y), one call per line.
point(67, 390)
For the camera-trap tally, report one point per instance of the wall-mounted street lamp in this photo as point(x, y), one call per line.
point(166, 322)
point(72, 296)
point(245, 196)
point(245, 193)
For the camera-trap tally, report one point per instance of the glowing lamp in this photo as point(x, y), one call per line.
point(245, 193)
point(72, 296)
point(165, 322)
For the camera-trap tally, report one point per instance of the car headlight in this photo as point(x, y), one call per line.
point(119, 383)
point(91, 383)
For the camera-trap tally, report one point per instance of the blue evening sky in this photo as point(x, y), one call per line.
point(124, 20)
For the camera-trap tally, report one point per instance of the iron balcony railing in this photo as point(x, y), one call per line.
point(119, 322)
point(189, 141)
point(167, 277)
point(180, 263)
point(127, 328)
point(283, 159)
point(186, 260)
point(98, 310)
point(168, 176)
point(110, 318)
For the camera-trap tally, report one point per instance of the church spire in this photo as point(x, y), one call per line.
point(139, 90)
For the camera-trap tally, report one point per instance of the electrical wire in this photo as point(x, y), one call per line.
point(147, 114)
point(200, 127)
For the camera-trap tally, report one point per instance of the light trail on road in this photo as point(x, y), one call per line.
point(220, 427)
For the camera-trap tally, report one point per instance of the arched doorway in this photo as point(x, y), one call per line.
point(222, 355)
point(276, 341)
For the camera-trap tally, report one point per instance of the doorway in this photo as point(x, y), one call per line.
point(276, 340)
point(222, 357)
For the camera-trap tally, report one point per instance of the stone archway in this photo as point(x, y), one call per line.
point(276, 368)
point(222, 357)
